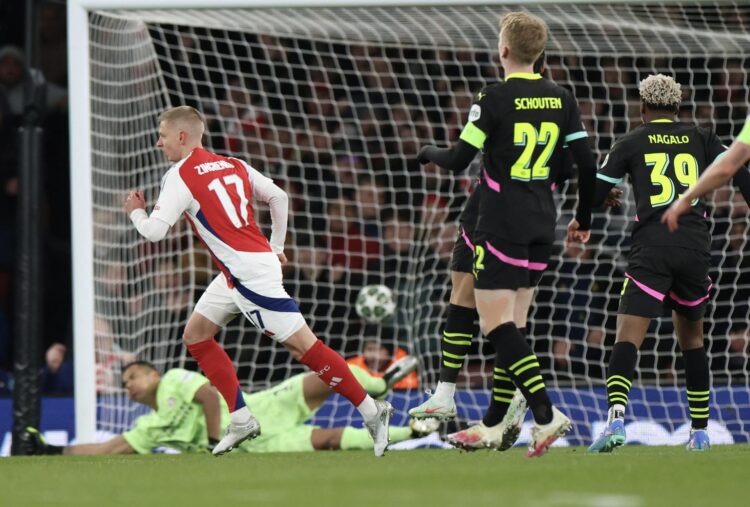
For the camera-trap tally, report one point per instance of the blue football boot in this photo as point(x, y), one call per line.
point(612, 436)
point(698, 441)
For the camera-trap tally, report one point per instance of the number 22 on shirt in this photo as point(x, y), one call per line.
point(526, 135)
point(685, 171)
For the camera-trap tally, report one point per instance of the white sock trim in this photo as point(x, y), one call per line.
point(241, 415)
point(367, 408)
point(445, 391)
point(617, 407)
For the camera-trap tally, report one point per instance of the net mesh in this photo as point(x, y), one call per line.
point(334, 104)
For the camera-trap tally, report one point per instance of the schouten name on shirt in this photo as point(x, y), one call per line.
point(538, 103)
point(208, 167)
point(667, 139)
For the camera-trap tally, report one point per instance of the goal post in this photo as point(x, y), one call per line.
point(82, 243)
point(330, 99)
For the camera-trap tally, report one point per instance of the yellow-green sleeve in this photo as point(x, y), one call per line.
point(744, 136)
point(480, 121)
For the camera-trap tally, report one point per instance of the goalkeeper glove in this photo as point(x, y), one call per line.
point(399, 370)
point(39, 444)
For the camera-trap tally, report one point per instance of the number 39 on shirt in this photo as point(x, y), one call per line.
point(685, 171)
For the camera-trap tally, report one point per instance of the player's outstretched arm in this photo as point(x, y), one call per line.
point(472, 138)
point(115, 445)
point(720, 171)
point(455, 159)
point(741, 180)
point(208, 398)
point(40, 446)
point(717, 174)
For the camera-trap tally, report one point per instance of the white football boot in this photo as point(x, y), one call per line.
point(543, 435)
point(378, 426)
point(236, 434)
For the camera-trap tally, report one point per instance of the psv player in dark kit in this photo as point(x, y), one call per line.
point(664, 158)
point(521, 124)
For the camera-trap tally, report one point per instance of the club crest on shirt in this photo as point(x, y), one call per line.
point(171, 402)
point(475, 112)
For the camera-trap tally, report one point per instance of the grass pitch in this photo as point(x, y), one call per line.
point(631, 477)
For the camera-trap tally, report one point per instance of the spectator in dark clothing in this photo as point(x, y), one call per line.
point(57, 374)
point(16, 79)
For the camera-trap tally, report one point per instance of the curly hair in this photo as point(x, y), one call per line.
point(660, 92)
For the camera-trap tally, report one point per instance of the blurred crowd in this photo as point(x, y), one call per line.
point(338, 126)
point(48, 101)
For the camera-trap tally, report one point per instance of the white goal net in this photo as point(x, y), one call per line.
point(333, 104)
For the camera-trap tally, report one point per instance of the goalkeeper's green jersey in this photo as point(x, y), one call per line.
point(178, 422)
point(744, 135)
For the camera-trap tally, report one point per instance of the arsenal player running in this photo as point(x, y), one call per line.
point(215, 194)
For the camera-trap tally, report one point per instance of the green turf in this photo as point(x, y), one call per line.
point(632, 477)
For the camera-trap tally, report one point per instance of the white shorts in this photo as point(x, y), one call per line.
point(272, 311)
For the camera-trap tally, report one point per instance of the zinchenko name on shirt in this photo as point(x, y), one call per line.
point(208, 167)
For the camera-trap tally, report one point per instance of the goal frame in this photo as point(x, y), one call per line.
point(81, 157)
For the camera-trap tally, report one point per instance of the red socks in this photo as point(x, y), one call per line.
point(217, 366)
point(327, 364)
point(333, 370)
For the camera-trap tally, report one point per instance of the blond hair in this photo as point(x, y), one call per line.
point(185, 117)
point(660, 92)
point(525, 35)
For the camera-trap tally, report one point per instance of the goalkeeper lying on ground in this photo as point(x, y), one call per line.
point(189, 415)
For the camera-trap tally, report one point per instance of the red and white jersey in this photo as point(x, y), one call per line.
point(215, 193)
